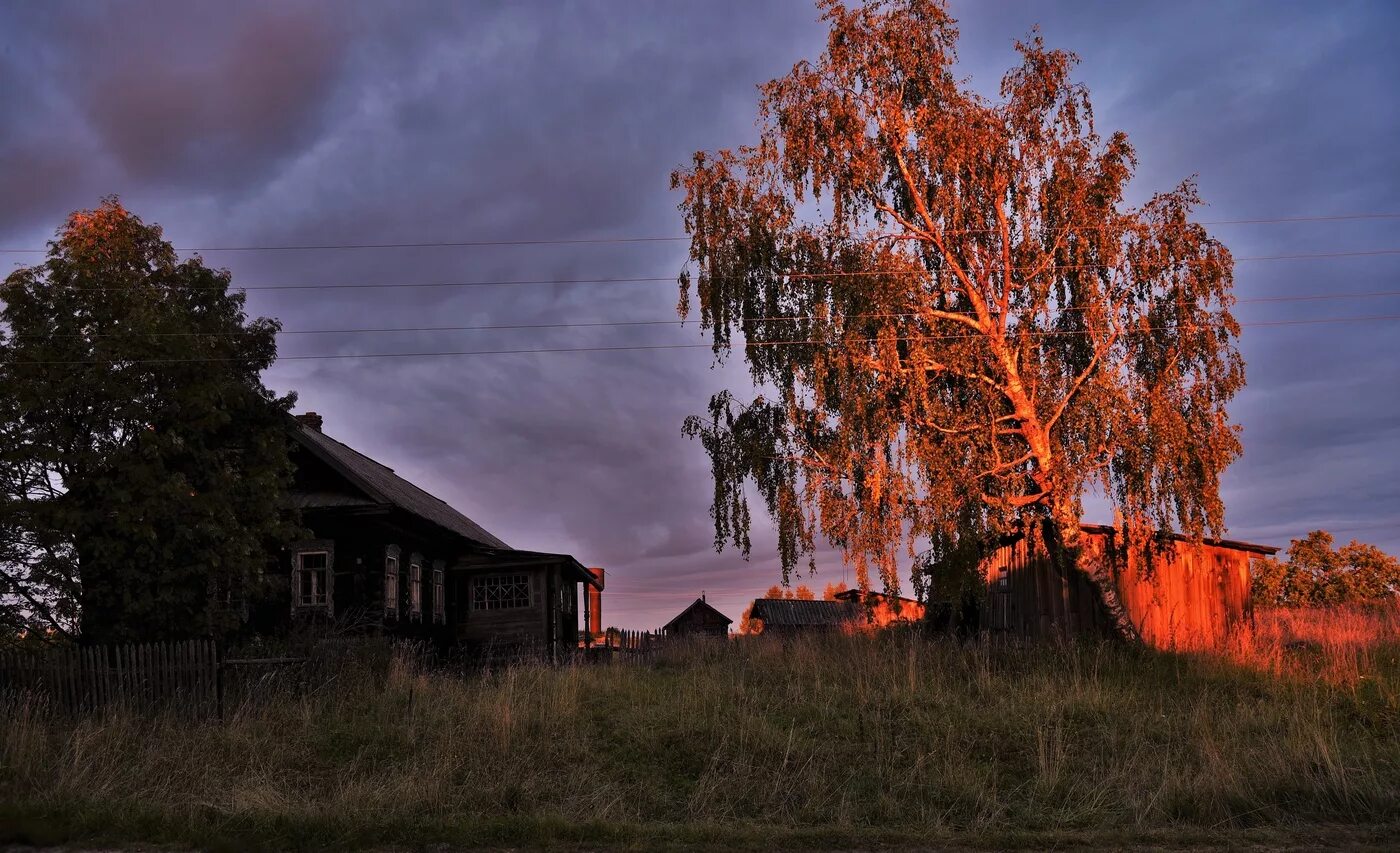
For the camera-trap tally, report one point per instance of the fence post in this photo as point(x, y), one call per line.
point(219, 678)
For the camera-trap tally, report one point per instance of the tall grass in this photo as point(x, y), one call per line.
point(754, 742)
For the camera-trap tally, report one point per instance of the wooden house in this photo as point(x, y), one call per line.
point(882, 609)
point(1179, 594)
point(789, 616)
point(699, 620)
point(385, 555)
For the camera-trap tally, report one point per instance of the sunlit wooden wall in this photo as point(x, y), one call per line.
point(1185, 596)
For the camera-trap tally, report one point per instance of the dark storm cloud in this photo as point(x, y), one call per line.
point(276, 123)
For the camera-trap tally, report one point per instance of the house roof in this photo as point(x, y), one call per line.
point(699, 603)
point(384, 487)
point(492, 559)
point(796, 613)
point(1180, 537)
point(854, 595)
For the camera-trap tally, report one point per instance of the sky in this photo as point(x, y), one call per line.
point(275, 123)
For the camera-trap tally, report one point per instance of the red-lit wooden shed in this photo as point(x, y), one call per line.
point(1179, 594)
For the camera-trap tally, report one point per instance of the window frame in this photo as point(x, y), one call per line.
point(415, 587)
point(480, 600)
point(439, 579)
point(391, 582)
point(322, 599)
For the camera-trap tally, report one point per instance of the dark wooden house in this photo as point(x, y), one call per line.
point(1179, 594)
point(699, 620)
point(384, 555)
point(882, 609)
point(788, 616)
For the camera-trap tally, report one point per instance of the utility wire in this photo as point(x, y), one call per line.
point(1307, 297)
point(603, 240)
point(673, 279)
point(650, 347)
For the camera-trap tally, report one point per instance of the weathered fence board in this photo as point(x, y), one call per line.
point(76, 680)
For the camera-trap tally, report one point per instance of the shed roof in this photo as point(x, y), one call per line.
point(383, 486)
point(797, 613)
point(1234, 544)
point(699, 603)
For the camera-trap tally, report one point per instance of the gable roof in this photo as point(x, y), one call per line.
point(385, 487)
point(698, 603)
point(796, 613)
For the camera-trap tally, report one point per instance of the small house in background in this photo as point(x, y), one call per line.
point(699, 620)
point(1180, 595)
point(789, 616)
point(880, 609)
point(384, 555)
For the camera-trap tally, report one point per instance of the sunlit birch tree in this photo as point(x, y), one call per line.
point(954, 323)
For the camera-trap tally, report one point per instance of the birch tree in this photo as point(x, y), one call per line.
point(954, 323)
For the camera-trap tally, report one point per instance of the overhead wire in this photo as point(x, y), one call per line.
point(565, 241)
point(672, 279)
point(645, 347)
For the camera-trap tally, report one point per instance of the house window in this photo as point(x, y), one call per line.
point(415, 590)
point(313, 579)
point(439, 595)
point(391, 586)
point(500, 592)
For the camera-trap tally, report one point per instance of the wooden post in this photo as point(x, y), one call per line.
point(219, 680)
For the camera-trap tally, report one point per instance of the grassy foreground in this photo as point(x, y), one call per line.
point(836, 742)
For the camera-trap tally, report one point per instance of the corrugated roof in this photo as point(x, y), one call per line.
point(384, 486)
point(796, 613)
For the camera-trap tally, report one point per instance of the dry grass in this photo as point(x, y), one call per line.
point(831, 741)
point(1339, 644)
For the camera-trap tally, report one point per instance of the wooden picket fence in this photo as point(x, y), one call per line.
point(187, 676)
point(633, 645)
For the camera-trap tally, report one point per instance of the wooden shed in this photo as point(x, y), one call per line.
point(1179, 594)
point(700, 619)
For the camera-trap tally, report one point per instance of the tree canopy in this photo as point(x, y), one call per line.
point(954, 323)
point(1317, 574)
point(142, 461)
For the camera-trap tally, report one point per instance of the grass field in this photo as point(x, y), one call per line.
point(1291, 739)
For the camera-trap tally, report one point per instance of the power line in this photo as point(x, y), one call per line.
point(673, 279)
point(649, 347)
point(1310, 297)
point(439, 244)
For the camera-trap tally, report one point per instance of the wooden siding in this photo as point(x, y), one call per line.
point(1184, 596)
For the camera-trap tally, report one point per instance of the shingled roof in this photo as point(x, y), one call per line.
point(797, 613)
point(383, 486)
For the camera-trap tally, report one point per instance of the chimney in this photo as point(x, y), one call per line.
point(311, 420)
point(595, 604)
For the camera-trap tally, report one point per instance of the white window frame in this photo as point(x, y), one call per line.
point(439, 595)
point(415, 589)
point(325, 594)
point(391, 584)
point(481, 598)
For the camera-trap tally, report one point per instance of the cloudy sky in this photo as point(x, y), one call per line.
point(256, 124)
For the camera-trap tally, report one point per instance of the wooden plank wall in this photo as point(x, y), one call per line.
point(1186, 597)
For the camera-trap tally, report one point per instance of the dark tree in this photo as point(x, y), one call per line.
point(143, 462)
point(955, 324)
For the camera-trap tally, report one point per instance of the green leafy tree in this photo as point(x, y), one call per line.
point(954, 323)
point(1316, 574)
point(143, 461)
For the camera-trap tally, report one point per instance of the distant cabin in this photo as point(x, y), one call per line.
point(1184, 596)
point(385, 556)
point(699, 620)
point(788, 616)
point(880, 609)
